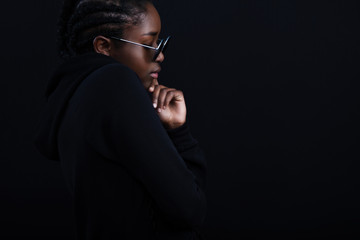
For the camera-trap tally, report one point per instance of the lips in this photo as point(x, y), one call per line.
point(155, 74)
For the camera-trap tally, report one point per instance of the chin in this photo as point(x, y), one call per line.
point(146, 82)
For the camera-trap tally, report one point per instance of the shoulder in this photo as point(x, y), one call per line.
point(113, 77)
point(112, 84)
point(114, 73)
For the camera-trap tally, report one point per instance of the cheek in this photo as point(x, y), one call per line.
point(136, 59)
point(139, 63)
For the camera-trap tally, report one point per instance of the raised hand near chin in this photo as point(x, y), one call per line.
point(169, 104)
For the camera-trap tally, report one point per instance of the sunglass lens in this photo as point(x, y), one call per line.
point(162, 47)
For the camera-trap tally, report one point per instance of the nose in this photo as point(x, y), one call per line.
point(160, 58)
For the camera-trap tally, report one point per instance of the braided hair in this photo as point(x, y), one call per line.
point(82, 20)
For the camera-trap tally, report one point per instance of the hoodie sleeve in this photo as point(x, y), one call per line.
point(124, 127)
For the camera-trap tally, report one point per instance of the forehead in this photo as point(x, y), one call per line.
point(149, 22)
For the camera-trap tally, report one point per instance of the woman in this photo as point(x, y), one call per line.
point(131, 164)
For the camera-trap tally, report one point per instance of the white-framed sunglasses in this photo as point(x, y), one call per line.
point(160, 48)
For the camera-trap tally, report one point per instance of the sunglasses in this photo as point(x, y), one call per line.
point(160, 48)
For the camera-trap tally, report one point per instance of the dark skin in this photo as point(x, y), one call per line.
point(168, 102)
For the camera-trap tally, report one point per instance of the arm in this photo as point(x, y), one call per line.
point(189, 150)
point(125, 128)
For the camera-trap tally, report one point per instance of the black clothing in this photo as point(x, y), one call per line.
point(129, 177)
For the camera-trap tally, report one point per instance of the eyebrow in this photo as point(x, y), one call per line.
point(151, 33)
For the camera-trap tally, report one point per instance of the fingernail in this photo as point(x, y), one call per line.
point(151, 89)
point(159, 110)
point(154, 104)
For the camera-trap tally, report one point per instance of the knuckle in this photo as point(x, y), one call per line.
point(163, 90)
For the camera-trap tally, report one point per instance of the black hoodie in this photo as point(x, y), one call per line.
point(129, 177)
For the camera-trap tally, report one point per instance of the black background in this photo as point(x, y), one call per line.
point(272, 89)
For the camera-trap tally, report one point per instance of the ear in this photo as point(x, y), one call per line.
point(102, 45)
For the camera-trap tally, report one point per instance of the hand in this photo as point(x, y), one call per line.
point(169, 104)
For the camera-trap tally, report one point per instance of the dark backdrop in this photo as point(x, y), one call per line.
point(273, 97)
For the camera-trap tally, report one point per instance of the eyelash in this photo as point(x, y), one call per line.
point(157, 43)
point(152, 45)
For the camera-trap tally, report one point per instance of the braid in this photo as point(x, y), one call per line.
point(67, 9)
point(82, 20)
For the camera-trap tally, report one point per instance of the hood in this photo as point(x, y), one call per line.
point(60, 89)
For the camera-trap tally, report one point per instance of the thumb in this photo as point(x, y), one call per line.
point(153, 84)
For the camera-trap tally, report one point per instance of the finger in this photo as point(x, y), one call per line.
point(176, 95)
point(155, 94)
point(162, 96)
point(179, 95)
point(153, 84)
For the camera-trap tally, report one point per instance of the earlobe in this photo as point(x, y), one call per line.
point(102, 45)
